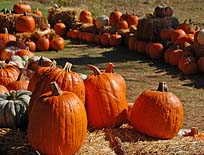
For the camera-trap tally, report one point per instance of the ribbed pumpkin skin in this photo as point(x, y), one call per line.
point(58, 124)
point(18, 85)
point(13, 110)
point(157, 114)
point(67, 81)
point(8, 73)
point(105, 100)
point(3, 89)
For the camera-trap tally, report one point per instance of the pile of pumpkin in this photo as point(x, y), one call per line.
point(40, 39)
point(181, 46)
point(57, 105)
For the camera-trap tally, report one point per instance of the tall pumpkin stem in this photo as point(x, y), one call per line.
point(109, 68)
point(162, 87)
point(55, 89)
point(94, 68)
point(67, 67)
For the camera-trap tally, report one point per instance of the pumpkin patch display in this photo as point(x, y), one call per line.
point(157, 113)
point(106, 103)
point(58, 123)
point(13, 109)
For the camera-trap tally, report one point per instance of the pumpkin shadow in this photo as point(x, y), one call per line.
point(15, 142)
point(122, 54)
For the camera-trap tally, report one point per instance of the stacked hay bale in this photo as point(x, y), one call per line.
point(67, 15)
point(149, 27)
point(8, 21)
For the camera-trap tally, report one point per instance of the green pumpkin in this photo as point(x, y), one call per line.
point(13, 109)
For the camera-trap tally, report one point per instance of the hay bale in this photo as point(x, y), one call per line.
point(8, 21)
point(67, 15)
point(149, 27)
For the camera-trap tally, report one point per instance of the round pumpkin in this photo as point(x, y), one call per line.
point(114, 17)
point(43, 44)
point(25, 23)
point(58, 123)
point(60, 28)
point(14, 108)
point(156, 50)
point(20, 8)
point(31, 45)
point(157, 113)
point(8, 73)
point(38, 12)
point(20, 84)
point(101, 21)
point(6, 37)
point(57, 43)
point(86, 16)
point(106, 103)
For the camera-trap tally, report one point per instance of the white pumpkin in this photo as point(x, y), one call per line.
point(101, 21)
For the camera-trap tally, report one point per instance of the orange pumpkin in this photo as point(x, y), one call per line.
point(57, 43)
point(25, 23)
point(65, 115)
point(6, 37)
point(8, 73)
point(38, 12)
point(109, 88)
point(31, 45)
point(122, 24)
point(20, 8)
point(65, 78)
point(60, 28)
point(43, 44)
point(114, 17)
point(157, 113)
point(20, 84)
point(86, 16)
point(174, 56)
point(156, 50)
point(115, 40)
point(175, 34)
point(132, 20)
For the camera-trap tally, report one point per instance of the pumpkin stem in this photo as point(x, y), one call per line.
point(53, 64)
point(2, 65)
point(109, 68)
point(20, 76)
point(55, 89)
point(67, 67)
point(162, 87)
point(12, 96)
point(94, 68)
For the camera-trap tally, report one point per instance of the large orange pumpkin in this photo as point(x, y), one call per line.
point(58, 123)
point(105, 98)
point(157, 113)
point(65, 78)
point(25, 23)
